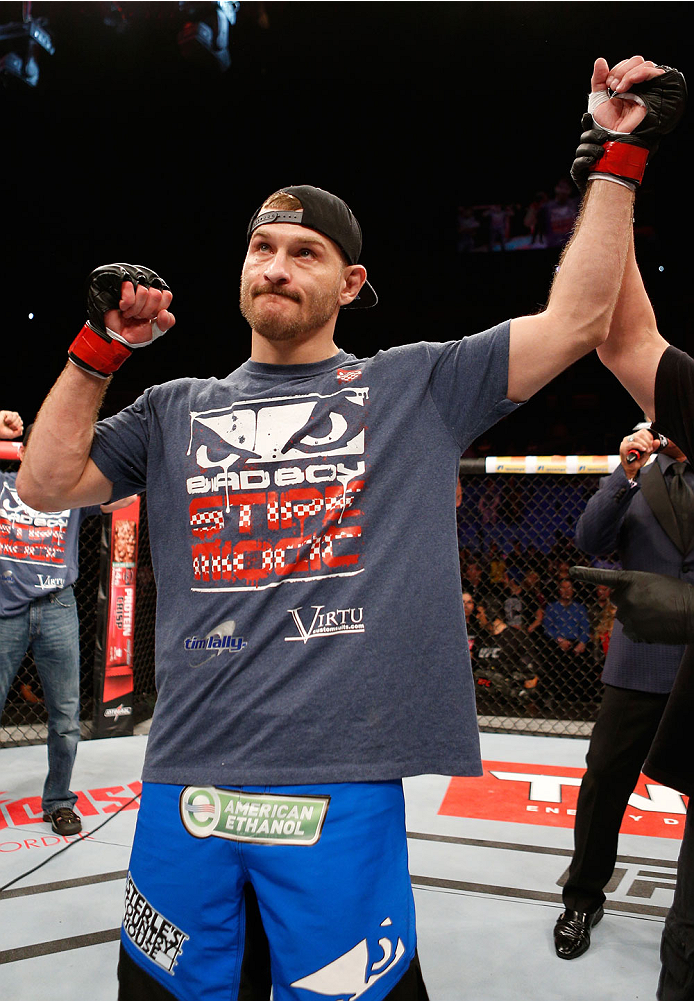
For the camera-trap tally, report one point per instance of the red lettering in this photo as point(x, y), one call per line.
point(115, 797)
point(334, 535)
point(245, 503)
point(301, 503)
point(206, 516)
point(253, 560)
point(25, 811)
point(338, 502)
point(283, 564)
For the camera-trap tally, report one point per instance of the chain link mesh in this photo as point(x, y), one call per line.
point(537, 641)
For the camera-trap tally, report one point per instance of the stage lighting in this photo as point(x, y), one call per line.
point(204, 39)
point(19, 45)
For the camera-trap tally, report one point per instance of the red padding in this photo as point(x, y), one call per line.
point(623, 160)
point(102, 356)
point(10, 450)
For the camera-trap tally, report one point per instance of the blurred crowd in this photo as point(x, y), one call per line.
point(546, 221)
point(537, 641)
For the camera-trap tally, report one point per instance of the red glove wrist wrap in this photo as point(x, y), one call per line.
point(623, 160)
point(102, 356)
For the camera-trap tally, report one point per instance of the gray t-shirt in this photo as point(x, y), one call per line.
point(38, 550)
point(302, 525)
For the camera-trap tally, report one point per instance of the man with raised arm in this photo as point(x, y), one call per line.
point(302, 583)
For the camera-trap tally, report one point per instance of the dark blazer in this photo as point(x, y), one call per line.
point(639, 522)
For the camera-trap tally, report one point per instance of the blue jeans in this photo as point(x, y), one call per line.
point(49, 625)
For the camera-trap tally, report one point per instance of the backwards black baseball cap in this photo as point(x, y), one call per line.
point(328, 214)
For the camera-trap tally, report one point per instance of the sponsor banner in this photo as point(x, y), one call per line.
point(264, 818)
point(115, 645)
point(551, 463)
point(547, 794)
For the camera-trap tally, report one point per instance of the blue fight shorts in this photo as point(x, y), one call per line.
point(329, 868)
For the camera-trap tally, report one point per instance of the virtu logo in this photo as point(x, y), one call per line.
point(335, 623)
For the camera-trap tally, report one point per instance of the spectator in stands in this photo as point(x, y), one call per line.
point(471, 625)
point(534, 601)
point(38, 567)
point(566, 621)
point(567, 630)
point(513, 602)
point(497, 566)
point(505, 666)
point(474, 582)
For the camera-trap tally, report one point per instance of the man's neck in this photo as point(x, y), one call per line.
point(297, 351)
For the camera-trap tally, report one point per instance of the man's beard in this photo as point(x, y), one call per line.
point(274, 327)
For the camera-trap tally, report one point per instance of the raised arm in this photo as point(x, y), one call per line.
point(127, 309)
point(634, 346)
point(596, 263)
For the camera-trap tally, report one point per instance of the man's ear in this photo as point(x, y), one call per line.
point(354, 277)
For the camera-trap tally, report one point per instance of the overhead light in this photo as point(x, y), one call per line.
point(204, 38)
point(19, 45)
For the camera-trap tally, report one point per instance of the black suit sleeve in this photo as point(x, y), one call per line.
point(671, 757)
point(674, 399)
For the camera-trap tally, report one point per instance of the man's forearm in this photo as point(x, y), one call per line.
point(634, 346)
point(52, 473)
point(583, 295)
point(586, 288)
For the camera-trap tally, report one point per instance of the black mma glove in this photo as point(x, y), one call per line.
point(652, 608)
point(625, 154)
point(96, 349)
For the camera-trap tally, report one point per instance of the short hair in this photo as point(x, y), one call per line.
point(282, 201)
point(27, 431)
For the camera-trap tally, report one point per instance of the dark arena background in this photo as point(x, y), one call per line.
point(149, 132)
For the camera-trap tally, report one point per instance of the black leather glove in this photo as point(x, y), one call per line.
point(96, 349)
point(651, 607)
point(665, 97)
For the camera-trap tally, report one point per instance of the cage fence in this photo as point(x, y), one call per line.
point(537, 640)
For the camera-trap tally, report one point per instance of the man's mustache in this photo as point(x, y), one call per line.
point(276, 290)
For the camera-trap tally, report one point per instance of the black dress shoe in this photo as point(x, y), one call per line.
point(572, 932)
